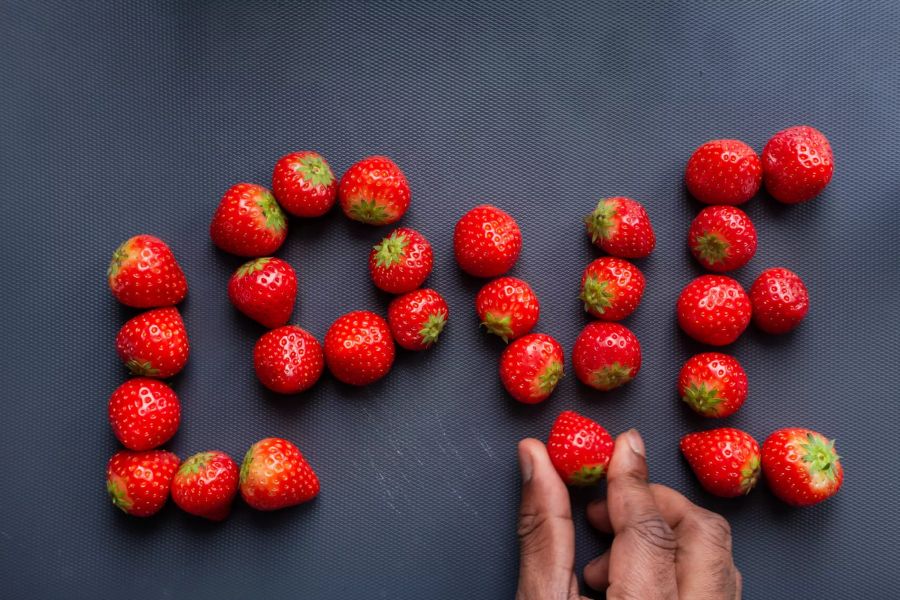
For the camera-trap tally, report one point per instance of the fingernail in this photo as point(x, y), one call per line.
point(635, 442)
point(525, 466)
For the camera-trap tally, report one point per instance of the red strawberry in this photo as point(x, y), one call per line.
point(801, 466)
point(275, 475)
point(621, 227)
point(264, 289)
point(606, 355)
point(507, 307)
point(713, 384)
point(144, 413)
point(713, 309)
point(486, 241)
point(359, 349)
point(416, 319)
point(797, 164)
point(725, 461)
point(288, 360)
point(780, 300)
point(374, 191)
point(722, 238)
point(401, 262)
point(579, 448)
point(304, 184)
point(611, 288)
point(143, 273)
point(139, 482)
point(723, 172)
point(531, 367)
point(206, 484)
point(248, 222)
point(154, 343)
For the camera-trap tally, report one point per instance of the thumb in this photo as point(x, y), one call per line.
point(546, 533)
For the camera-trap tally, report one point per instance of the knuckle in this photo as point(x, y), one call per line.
point(529, 522)
point(655, 532)
point(534, 531)
point(714, 526)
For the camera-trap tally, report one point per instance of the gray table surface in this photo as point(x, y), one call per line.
point(120, 118)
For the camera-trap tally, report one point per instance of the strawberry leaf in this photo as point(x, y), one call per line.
point(432, 328)
point(596, 295)
point(314, 170)
point(369, 211)
point(391, 250)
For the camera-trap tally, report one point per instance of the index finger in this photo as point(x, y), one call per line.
point(642, 556)
point(630, 502)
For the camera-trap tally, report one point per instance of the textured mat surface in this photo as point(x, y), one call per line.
point(119, 118)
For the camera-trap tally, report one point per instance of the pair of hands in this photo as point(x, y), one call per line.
point(664, 546)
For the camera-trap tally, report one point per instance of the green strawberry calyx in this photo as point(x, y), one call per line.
point(194, 464)
point(588, 474)
point(749, 474)
point(432, 328)
point(119, 258)
point(703, 398)
point(612, 376)
point(499, 325)
point(712, 247)
point(116, 488)
point(602, 220)
point(245, 466)
point(141, 367)
point(596, 295)
point(271, 212)
point(371, 212)
point(547, 380)
point(314, 170)
point(252, 266)
point(819, 457)
point(391, 250)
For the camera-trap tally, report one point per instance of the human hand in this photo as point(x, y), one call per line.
point(664, 546)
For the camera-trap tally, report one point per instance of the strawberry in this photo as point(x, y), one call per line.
point(374, 191)
point(143, 273)
point(206, 484)
point(780, 300)
point(621, 227)
point(797, 164)
point(486, 241)
point(713, 309)
point(507, 307)
point(401, 262)
point(611, 288)
point(248, 222)
point(264, 289)
point(154, 343)
point(801, 466)
point(579, 448)
point(416, 319)
point(288, 360)
point(606, 355)
point(359, 349)
point(713, 384)
point(144, 413)
point(304, 184)
point(531, 367)
point(139, 482)
point(275, 475)
point(722, 238)
point(723, 172)
point(725, 461)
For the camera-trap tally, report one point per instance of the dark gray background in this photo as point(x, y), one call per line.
point(131, 117)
